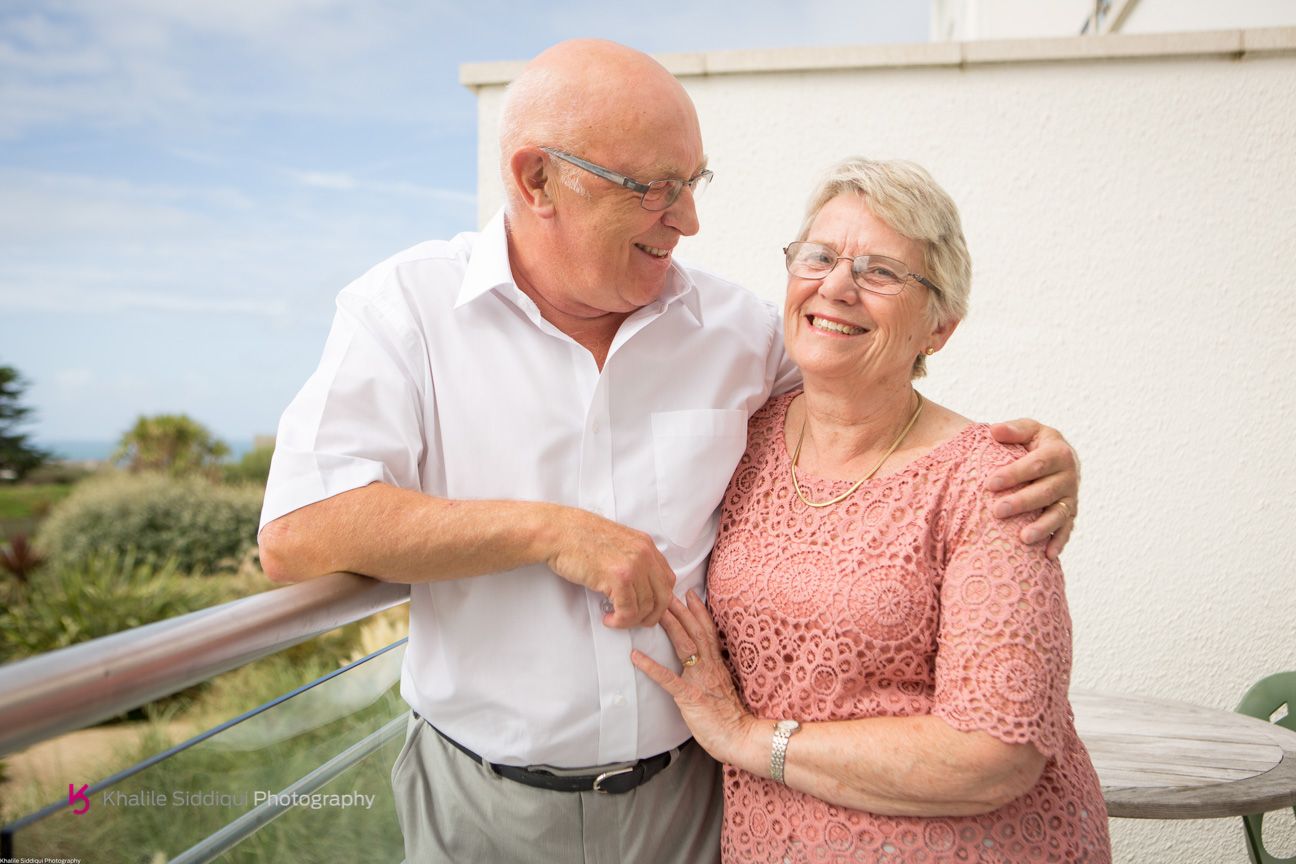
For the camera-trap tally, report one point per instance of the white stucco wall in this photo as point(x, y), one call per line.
point(1130, 204)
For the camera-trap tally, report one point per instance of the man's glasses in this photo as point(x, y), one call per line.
point(871, 272)
point(657, 195)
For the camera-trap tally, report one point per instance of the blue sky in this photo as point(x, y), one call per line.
point(185, 186)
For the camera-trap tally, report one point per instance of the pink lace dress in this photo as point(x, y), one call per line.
point(907, 598)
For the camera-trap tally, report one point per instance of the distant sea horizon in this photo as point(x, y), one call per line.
point(85, 450)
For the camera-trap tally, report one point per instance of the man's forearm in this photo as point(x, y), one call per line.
point(397, 535)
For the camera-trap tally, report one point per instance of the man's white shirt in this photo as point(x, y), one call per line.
point(440, 375)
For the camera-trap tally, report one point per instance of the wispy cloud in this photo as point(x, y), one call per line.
point(187, 184)
point(87, 245)
point(326, 180)
point(75, 296)
point(179, 65)
point(59, 65)
point(343, 182)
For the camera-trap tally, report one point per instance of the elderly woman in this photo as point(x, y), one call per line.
point(902, 659)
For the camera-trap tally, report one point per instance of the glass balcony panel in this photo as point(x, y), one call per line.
point(236, 775)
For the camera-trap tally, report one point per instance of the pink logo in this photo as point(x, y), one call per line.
point(79, 794)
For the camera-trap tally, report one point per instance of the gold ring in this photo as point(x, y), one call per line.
point(692, 660)
point(1065, 508)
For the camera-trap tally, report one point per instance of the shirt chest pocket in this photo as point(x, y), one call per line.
point(695, 454)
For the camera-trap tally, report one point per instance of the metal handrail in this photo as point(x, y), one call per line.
point(78, 686)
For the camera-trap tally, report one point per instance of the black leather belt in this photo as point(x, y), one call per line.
point(611, 780)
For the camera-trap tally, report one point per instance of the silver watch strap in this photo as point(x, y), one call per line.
point(779, 752)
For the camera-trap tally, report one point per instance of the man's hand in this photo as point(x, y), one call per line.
point(619, 562)
point(1052, 470)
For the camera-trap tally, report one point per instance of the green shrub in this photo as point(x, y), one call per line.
point(254, 467)
point(205, 526)
point(104, 593)
point(58, 474)
point(174, 443)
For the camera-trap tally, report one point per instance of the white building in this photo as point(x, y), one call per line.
point(1130, 204)
point(964, 20)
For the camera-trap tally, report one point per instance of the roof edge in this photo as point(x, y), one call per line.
point(1122, 46)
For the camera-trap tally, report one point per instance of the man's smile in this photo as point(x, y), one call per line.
point(653, 250)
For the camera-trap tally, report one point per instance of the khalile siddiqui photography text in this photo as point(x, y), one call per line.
point(185, 798)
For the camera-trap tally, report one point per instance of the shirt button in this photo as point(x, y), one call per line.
point(608, 608)
point(597, 427)
point(618, 700)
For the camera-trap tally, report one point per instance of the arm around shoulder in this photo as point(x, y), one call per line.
point(1049, 476)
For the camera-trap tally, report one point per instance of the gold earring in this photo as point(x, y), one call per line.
point(931, 351)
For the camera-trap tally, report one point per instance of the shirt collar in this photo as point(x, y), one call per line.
point(488, 265)
point(488, 268)
point(679, 286)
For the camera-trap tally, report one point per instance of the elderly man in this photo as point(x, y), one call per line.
point(534, 426)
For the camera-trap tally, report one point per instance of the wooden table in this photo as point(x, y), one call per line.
point(1165, 759)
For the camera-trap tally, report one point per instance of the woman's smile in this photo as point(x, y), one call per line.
point(834, 325)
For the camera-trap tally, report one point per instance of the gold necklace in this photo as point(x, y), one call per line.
point(859, 482)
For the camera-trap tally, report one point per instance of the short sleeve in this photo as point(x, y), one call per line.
point(1003, 661)
point(359, 417)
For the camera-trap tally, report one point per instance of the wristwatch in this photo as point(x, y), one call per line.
point(783, 730)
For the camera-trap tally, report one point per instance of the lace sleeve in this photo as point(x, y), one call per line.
point(1003, 661)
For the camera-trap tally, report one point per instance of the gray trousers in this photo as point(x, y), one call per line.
point(453, 809)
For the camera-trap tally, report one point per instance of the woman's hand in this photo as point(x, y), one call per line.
point(898, 766)
point(705, 692)
point(1051, 471)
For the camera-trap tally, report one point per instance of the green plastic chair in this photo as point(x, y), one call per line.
point(1267, 696)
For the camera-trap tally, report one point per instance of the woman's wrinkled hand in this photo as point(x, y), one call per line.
point(705, 691)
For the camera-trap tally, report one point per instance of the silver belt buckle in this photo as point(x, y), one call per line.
point(606, 774)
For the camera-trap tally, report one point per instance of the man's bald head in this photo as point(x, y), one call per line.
point(586, 96)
